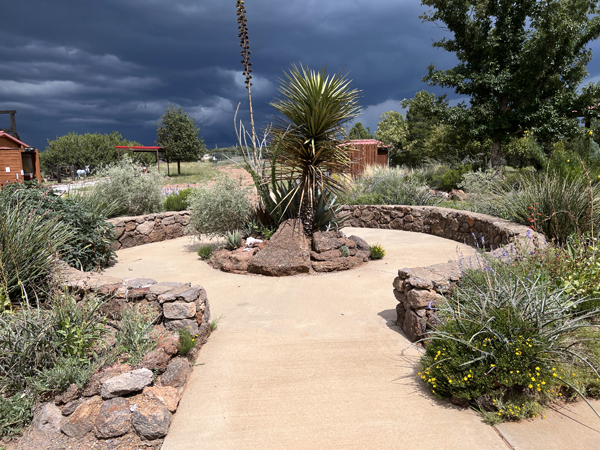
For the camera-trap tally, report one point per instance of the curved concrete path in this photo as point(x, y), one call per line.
point(309, 361)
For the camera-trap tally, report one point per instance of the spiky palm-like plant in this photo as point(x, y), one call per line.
point(315, 108)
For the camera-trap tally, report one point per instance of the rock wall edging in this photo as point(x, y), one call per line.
point(138, 230)
point(467, 227)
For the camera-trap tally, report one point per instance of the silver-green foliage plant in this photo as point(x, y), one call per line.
point(390, 186)
point(134, 192)
point(219, 208)
point(481, 182)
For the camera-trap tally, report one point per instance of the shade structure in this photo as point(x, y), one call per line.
point(141, 149)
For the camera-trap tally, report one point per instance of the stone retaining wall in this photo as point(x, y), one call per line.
point(139, 230)
point(463, 226)
point(124, 406)
point(180, 304)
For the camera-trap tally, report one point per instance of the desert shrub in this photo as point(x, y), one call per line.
point(376, 251)
point(177, 201)
point(481, 182)
point(66, 371)
point(205, 251)
point(508, 344)
point(554, 205)
point(389, 186)
point(83, 237)
point(450, 179)
point(16, 413)
point(134, 337)
point(134, 192)
point(220, 208)
point(186, 342)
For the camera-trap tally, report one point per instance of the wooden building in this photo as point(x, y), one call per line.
point(365, 152)
point(18, 161)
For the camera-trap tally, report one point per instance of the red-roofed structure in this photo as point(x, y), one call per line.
point(142, 149)
point(367, 152)
point(18, 161)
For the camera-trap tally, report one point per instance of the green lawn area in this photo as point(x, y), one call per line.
point(191, 172)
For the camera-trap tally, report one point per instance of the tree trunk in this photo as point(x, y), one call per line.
point(307, 214)
point(178, 167)
point(496, 154)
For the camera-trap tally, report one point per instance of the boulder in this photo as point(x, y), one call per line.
point(170, 345)
point(422, 299)
point(182, 292)
point(48, 418)
point(126, 383)
point(70, 407)
point(94, 385)
point(288, 252)
point(189, 324)
point(72, 393)
point(140, 283)
point(177, 372)
point(82, 420)
point(324, 241)
point(413, 326)
point(334, 264)
point(235, 261)
point(179, 310)
point(361, 244)
point(168, 395)
point(113, 419)
point(151, 419)
point(157, 359)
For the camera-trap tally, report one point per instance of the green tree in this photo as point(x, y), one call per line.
point(178, 135)
point(315, 107)
point(519, 62)
point(392, 131)
point(82, 150)
point(358, 132)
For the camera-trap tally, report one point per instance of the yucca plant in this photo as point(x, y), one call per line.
point(314, 107)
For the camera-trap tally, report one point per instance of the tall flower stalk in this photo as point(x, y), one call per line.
point(245, 53)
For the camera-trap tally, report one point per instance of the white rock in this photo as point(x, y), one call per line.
point(126, 383)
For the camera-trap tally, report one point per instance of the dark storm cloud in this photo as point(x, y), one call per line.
point(79, 66)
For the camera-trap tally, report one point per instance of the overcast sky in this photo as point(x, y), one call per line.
point(72, 65)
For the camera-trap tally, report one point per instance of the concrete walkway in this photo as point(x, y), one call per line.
point(315, 361)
